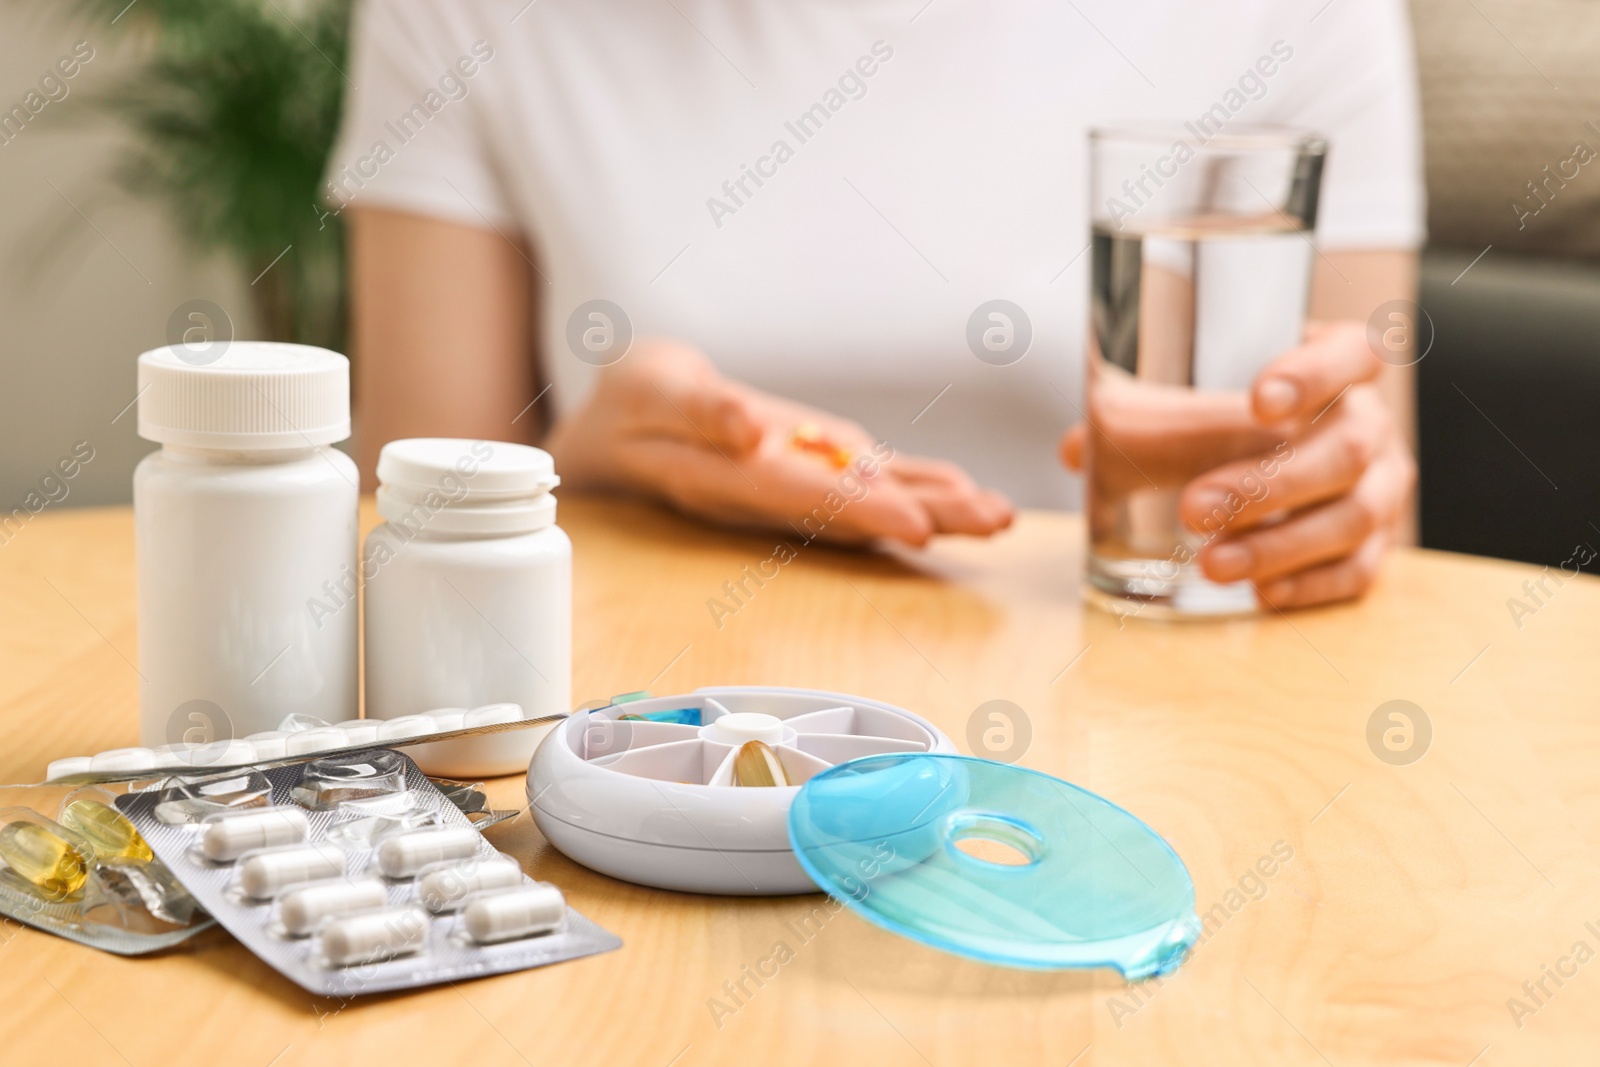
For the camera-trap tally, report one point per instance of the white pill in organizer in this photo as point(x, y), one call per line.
point(512, 913)
point(303, 909)
point(444, 888)
point(264, 875)
point(404, 855)
point(493, 714)
point(227, 837)
point(375, 936)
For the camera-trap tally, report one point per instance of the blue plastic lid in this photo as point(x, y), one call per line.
point(1092, 886)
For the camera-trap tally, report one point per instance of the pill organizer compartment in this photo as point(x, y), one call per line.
point(650, 797)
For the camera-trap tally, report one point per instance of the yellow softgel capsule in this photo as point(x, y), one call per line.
point(757, 765)
point(50, 862)
point(105, 828)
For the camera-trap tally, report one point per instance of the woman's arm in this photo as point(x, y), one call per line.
point(442, 333)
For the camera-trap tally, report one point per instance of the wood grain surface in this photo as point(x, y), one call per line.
point(1361, 911)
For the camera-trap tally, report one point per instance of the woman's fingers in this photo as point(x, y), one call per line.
point(955, 502)
point(1143, 435)
point(1305, 380)
point(1072, 447)
point(780, 493)
point(980, 512)
point(1328, 533)
point(1331, 582)
point(673, 390)
point(1324, 464)
point(1331, 531)
point(714, 412)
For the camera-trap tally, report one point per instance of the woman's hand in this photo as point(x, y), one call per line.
point(663, 423)
point(1314, 530)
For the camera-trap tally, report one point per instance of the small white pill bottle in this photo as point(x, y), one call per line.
point(468, 594)
point(247, 533)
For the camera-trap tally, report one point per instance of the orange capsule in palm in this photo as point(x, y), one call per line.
point(808, 437)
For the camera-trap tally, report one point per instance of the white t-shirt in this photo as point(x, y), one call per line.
point(820, 193)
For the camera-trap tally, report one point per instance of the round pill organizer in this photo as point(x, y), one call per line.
point(652, 801)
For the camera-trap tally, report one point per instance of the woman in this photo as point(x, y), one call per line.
point(720, 222)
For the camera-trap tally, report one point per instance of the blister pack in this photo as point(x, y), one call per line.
point(88, 876)
point(354, 874)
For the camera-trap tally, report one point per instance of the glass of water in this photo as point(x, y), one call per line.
point(1201, 272)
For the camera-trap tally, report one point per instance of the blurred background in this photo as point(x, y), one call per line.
point(130, 213)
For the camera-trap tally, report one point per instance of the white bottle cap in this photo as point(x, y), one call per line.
point(453, 485)
point(256, 395)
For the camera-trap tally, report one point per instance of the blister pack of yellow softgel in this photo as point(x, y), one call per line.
point(88, 875)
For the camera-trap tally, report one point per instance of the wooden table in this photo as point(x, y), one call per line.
point(1418, 898)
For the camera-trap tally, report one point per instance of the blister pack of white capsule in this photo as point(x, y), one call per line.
point(354, 874)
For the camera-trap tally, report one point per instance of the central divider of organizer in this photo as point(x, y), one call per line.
point(647, 791)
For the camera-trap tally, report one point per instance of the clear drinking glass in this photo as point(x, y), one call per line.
point(1201, 271)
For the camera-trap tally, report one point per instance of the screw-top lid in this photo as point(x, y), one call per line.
point(257, 395)
point(454, 485)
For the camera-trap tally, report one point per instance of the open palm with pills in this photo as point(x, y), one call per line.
point(663, 422)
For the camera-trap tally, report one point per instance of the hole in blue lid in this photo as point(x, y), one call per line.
point(995, 840)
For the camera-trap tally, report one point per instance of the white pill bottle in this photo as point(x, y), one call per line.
point(468, 594)
point(247, 533)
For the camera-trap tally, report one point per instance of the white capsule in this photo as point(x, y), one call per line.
point(227, 837)
point(70, 765)
point(490, 714)
point(230, 753)
point(404, 855)
point(264, 875)
point(270, 744)
point(513, 913)
point(444, 888)
point(169, 756)
point(303, 910)
point(375, 936)
point(405, 726)
point(360, 731)
point(306, 742)
point(119, 760)
point(446, 719)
